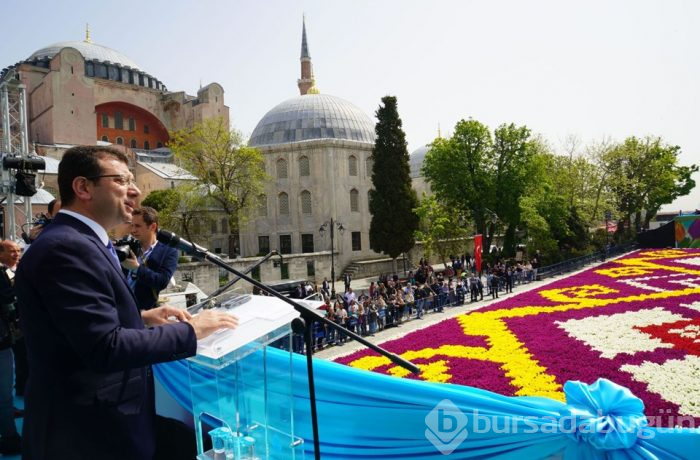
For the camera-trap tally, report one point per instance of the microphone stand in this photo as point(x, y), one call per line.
point(307, 315)
point(194, 308)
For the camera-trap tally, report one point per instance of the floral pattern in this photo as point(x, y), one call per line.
point(634, 320)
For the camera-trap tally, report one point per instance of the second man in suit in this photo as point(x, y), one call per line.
point(149, 272)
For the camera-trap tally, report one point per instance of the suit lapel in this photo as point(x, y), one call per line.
point(89, 234)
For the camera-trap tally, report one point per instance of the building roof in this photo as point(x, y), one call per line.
point(310, 117)
point(40, 197)
point(89, 51)
point(167, 170)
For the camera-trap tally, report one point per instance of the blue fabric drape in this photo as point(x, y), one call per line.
point(364, 415)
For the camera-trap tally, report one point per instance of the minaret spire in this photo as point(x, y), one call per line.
point(307, 83)
point(87, 33)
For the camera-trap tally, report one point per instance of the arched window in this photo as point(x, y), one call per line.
point(224, 225)
point(262, 205)
point(352, 165)
point(370, 165)
point(304, 167)
point(105, 139)
point(118, 120)
point(133, 143)
point(306, 202)
point(283, 202)
point(120, 141)
point(146, 145)
point(354, 200)
point(282, 169)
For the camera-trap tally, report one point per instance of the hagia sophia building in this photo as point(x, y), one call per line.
point(317, 147)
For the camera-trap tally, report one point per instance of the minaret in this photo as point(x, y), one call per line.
point(307, 83)
point(87, 34)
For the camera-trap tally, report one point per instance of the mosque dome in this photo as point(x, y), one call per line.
point(90, 51)
point(415, 160)
point(310, 117)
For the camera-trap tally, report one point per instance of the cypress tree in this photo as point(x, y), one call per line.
point(393, 201)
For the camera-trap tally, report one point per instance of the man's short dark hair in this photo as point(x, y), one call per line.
point(83, 161)
point(150, 215)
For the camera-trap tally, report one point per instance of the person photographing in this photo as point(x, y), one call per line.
point(149, 271)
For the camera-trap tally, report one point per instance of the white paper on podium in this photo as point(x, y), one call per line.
point(257, 316)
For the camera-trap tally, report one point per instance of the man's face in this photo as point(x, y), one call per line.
point(141, 231)
point(10, 254)
point(113, 202)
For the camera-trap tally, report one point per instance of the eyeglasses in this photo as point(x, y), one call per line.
point(120, 179)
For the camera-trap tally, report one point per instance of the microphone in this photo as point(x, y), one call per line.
point(174, 241)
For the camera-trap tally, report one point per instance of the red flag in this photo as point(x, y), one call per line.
point(477, 252)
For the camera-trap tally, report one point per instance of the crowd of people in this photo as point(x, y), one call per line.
point(391, 301)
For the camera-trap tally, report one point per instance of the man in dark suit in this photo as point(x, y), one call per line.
point(90, 390)
point(149, 272)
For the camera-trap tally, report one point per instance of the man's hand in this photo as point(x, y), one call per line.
point(35, 232)
point(163, 315)
point(209, 321)
point(131, 262)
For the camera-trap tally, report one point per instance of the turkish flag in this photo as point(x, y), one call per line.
point(477, 252)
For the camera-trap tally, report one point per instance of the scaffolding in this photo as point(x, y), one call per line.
point(13, 144)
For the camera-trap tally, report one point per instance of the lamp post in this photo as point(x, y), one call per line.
point(331, 225)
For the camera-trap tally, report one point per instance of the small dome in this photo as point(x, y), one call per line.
point(415, 160)
point(89, 51)
point(313, 116)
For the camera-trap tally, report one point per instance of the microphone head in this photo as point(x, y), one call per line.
point(168, 238)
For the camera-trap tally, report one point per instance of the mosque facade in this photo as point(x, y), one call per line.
point(317, 151)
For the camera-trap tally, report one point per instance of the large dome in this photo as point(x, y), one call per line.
point(313, 116)
point(89, 51)
point(416, 159)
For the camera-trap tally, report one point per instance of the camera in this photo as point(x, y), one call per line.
point(125, 245)
point(42, 219)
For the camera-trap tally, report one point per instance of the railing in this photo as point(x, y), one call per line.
point(580, 262)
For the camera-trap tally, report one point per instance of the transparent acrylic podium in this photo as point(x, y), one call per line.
point(247, 409)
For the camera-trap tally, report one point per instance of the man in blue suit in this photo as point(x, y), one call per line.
point(90, 390)
point(149, 272)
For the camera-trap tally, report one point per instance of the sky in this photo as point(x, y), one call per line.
point(589, 70)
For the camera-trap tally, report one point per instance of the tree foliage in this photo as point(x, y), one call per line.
point(440, 229)
point(644, 175)
point(185, 210)
point(484, 176)
point(392, 202)
point(231, 174)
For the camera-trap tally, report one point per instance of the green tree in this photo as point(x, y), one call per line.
point(162, 200)
point(186, 210)
point(513, 155)
point(231, 174)
point(482, 176)
point(458, 170)
point(643, 175)
point(439, 231)
point(392, 201)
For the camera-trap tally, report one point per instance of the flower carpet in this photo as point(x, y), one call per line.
point(633, 320)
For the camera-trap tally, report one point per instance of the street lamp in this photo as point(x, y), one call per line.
point(331, 225)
